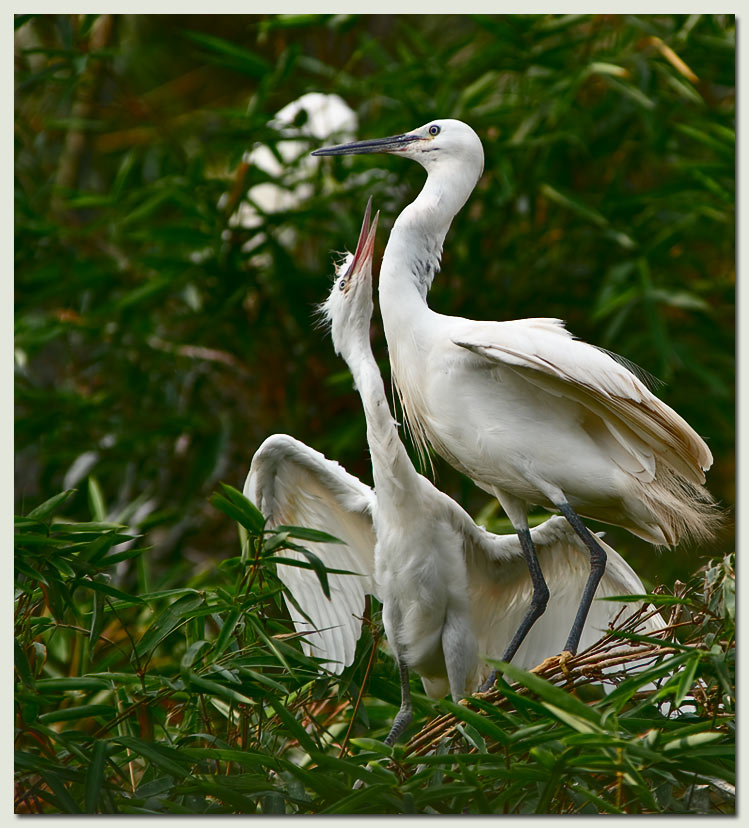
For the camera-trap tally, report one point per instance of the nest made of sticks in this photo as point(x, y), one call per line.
point(608, 661)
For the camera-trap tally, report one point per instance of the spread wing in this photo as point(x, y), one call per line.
point(292, 484)
point(501, 591)
point(641, 427)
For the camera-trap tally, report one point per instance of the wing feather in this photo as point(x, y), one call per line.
point(292, 484)
point(545, 353)
point(501, 591)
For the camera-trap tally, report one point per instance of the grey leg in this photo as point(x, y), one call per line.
point(405, 714)
point(597, 568)
point(538, 602)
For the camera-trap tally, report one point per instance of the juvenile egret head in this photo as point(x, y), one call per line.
point(348, 308)
point(431, 145)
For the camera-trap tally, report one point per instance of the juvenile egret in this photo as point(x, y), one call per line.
point(528, 412)
point(450, 590)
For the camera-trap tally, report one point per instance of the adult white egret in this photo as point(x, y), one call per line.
point(450, 590)
point(528, 412)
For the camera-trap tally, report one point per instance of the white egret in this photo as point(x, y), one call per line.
point(528, 412)
point(450, 590)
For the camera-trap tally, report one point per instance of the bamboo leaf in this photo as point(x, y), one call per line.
point(308, 534)
point(167, 622)
point(168, 759)
point(243, 513)
point(49, 507)
point(694, 740)
point(95, 776)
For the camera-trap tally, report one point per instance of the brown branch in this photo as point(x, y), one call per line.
point(75, 140)
point(590, 666)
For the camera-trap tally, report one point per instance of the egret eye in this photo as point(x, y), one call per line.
point(434, 129)
point(342, 284)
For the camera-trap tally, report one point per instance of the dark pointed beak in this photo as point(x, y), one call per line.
point(393, 144)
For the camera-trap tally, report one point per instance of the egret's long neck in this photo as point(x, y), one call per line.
point(390, 461)
point(410, 262)
point(414, 249)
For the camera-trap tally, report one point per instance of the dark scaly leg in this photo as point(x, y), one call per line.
point(405, 714)
point(538, 602)
point(597, 568)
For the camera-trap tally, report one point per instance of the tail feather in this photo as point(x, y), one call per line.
point(683, 510)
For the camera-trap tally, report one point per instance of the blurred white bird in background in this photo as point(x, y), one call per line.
point(452, 592)
point(528, 412)
point(315, 116)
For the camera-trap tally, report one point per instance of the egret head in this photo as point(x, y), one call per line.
point(433, 145)
point(348, 308)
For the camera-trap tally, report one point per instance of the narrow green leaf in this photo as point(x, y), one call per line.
point(96, 499)
point(245, 758)
point(482, 723)
point(32, 574)
point(308, 534)
point(95, 775)
point(97, 618)
point(44, 510)
point(692, 741)
point(216, 689)
point(167, 622)
point(373, 745)
point(22, 664)
point(215, 788)
point(188, 659)
point(232, 55)
point(306, 565)
point(170, 760)
point(238, 499)
point(113, 592)
point(70, 683)
point(261, 679)
point(293, 726)
point(577, 723)
point(601, 68)
point(313, 563)
point(604, 805)
point(550, 693)
point(686, 678)
point(57, 786)
point(575, 205)
point(83, 711)
point(238, 512)
point(145, 209)
point(228, 627)
point(145, 291)
point(724, 147)
point(96, 526)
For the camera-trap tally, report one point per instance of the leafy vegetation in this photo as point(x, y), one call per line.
point(198, 699)
point(161, 336)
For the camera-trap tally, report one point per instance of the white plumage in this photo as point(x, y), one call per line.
point(528, 412)
point(452, 592)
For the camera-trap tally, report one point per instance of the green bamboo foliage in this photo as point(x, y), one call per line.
point(198, 699)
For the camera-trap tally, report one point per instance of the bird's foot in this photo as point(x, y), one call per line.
point(402, 721)
point(487, 685)
point(559, 661)
point(564, 657)
point(551, 661)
